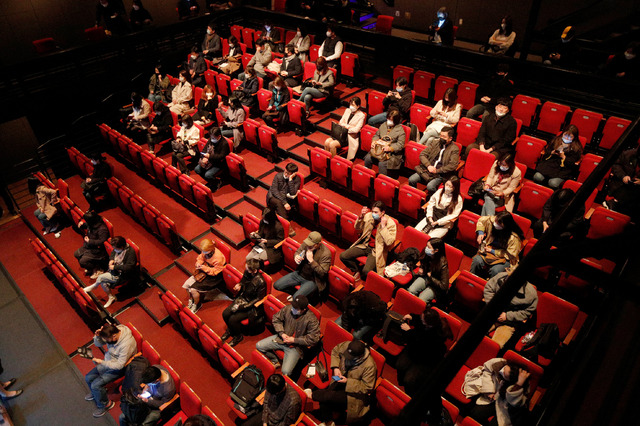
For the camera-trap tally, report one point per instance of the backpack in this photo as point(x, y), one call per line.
point(133, 373)
point(391, 328)
point(248, 385)
point(134, 409)
point(545, 342)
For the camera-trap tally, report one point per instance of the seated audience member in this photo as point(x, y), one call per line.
point(185, 143)
point(92, 256)
point(301, 43)
point(159, 86)
point(121, 346)
point(260, 60)
point(199, 420)
point(156, 389)
point(282, 405)
point(432, 279)
point(188, 8)
point(520, 309)
point(398, 98)
point(197, 66)
point(232, 63)
point(348, 397)
point(207, 275)
point(314, 260)
point(443, 209)
point(283, 191)
point(123, 266)
point(277, 108)
point(331, 48)
point(213, 156)
point(496, 87)
point(502, 39)
point(291, 69)
point(219, 5)
point(560, 159)
point(551, 211)
point(160, 128)
point(247, 91)
point(363, 313)
point(138, 120)
point(387, 147)
point(446, 113)
point(352, 120)
point(297, 332)
point(500, 184)
point(625, 65)
point(500, 240)
point(425, 335)
point(47, 203)
point(442, 28)
point(95, 186)
point(271, 36)
point(438, 161)
point(500, 392)
point(624, 184)
point(182, 94)
point(251, 289)
point(114, 17)
point(269, 234)
point(378, 234)
point(497, 132)
point(139, 17)
point(320, 86)
point(562, 52)
point(206, 110)
point(234, 117)
point(211, 45)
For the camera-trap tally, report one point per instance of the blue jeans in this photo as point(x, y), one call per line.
point(489, 206)
point(289, 281)
point(291, 355)
point(308, 94)
point(419, 288)
point(377, 119)
point(359, 333)
point(97, 383)
point(554, 183)
point(208, 174)
point(478, 266)
point(155, 97)
point(432, 185)
point(43, 219)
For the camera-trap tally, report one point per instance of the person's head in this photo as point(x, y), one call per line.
point(299, 305)
point(252, 266)
point(136, 99)
point(502, 70)
point(269, 216)
point(313, 240)
point(151, 375)
point(260, 44)
point(207, 247)
point(505, 224)
point(452, 187)
point(393, 117)
point(91, 218)
point(321, 64)
point(249, 71)
point(446, 134)
point(95, 158)
point(186, 120)
point(503, 107)
point(301, 31)
point(195, 52)
point(159, 108)
point(506, 25)
point(208, 92)
point(331, 31)
point(569, 139)
point(290, 49)
point(356, 349)
point(561, 200)
point(276, 384)
point(216, 135)
point(109, 333)
point(199, 420)
point(104, 3)
point(211, 28)
point(506, 163)
point(268, 25)
point(567, 34)
point(430, 318)
point(118, 243)
point(378, 209)
point(442, 13)
point(510, 372)
point(354, 103)
point(450, 98)
point(278, 83)
point(233, 41)
point(184, 76)
point(401, 84)
point(137, 5)
point(159, 69)
point(631, 51)
point(434, 247)
point(289, 170)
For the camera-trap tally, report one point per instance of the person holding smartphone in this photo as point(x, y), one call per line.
point(283, 192)
point(156, 389)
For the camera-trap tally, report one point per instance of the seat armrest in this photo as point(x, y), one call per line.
point(454, 277)
point(239, 370)
point(261, 301)
point(168, 403)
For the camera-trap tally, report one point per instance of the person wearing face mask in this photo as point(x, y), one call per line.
point(314, 260)
point(398, 99)
point(624, 185)
point(247, 91)
point(160, 128)
point(187, 8)
point(283, 191)
point(138, 118)
point(331, 48)
point(182, 94)
point(501, 41)
point(378, 234)
point(233, 116)
point(207, 276)
point(625, 65)
point(277, 108)
point(95, 186)
point(291, 69)
point(501, 182)
point(443, 209)
point(560, 159)
point(441, 30)
point(497, 132)
point(438, 161)
point(363, 313)
point(446, 113)
point(282, 405)
point(352, 120)
point(301, 43)
point(563, 51)
point(185, 143)
point(499, 239)
point(269, 234)
point(213, 157)
point(159, 86)
point(47, 212)
point(139, 17)
point(297, 332)
point(211, 45)
point(231, 63)
point(260, 60)
point(196, 66)
point(552, 210)
point(206, 110)
point(123, 267)
point(271, 36)
point(432, 280)
point(92, 256)
point(114, 17)
point(320, 86)
point(251, 289)
point(391, 138)
point(495, 87)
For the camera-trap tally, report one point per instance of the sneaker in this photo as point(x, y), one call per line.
point(88, 397)
point(356, 276)
point(195, 308)
point(110, 301)
point(309, 393)
point(226, 335)
point(96, 274)
point(102, 411)
point(276, 364)
point(57, 234)
point(237, 339)
point(190, 304)
point(289, 298)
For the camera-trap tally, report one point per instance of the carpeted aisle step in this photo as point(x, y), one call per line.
point(257, 196)
point(300, 152)
point(230, 232)
point(325, 126)
point(245, 207)
point(288, 139)
point(316, 139)
point(172, 280)
point(256, 164)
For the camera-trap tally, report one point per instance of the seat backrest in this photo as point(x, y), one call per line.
point(297, 111)
point(401, 71)
point(271, 307)
point(319, 161)
point(587, 121)
point(407, 303)
point(386, 190)
point(374, 102)
point(289, 248)
point(263, 363)
point(190, 323)
point(379, 285)
point(587, 166)
point(606, 223)
point(535, 371)
point(186, 184)
point(366, 137)
point(340, 169)
point(552, 117)
point(347, 226)
point(532, 199)
point(422, 81)
point(467, 94)
point(307, 204)
point(267, 137)
point(328, 215)
point(523, 223)
point(309, 69)
point(264, 96)
point(454, 258)
point(230, 359)
point(478, 165)
point(209, 341)
point(168, 232)
point(412, 151)
point(172, 305)
point(250, 223)
point(390, 399)
point(231, 277)
point(524, 108)
point(486, 350)
point(441, 85)
point(340, 283)
point(469, 290)
point(552, 309)
point(613, 129)
point(419, 115)
point(333, 335)
point(413, 238)
point(190, 403)
point(529, 149)
point(150, 353)
point(172, 372)
point(455, 325)
point(410, 201)
point(348, 62)
point(575, 186)
point(467, 131)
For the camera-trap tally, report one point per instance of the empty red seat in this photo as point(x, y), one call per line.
point(383, 25)
point(607, 223)
point(587, 122)
point(237, 169)
point(524, 108)
point(412, 151)
point(362, 180)
point(223, 84)
point(552, 117)
point(467, 94)
point(422, 81)
point(307, 204)
point(386, 190)
point(348, 231)
point(173, 175)
point(190, 404)
point(349, 65)
point(467, 131)
point(124, 195)
point(190, 323)
point(477, 166)
point(268, 140)
point(168, 232)
point(382, 286)
point(340, 171)
point(467, 222)
point(575, 186)
point(172, 304)
point(151, 215)
point(532, 199)
point(289, 248)
point(528, 150)
point(613, 129)
point(390, 400)
point(402, 71)
point(341, 283)
point(587, 166)
point(319, 161)
point(297, 113)
point(209, 341)
point(374, 102)
point(441, 85)
point(204, 199)
point(186, 184)
point(410, 201)
point(329, 216)
point(419, 115)
point(45, 45)
point(159, 169)
point(468, 292)
point(230, 359)
point(150, 353)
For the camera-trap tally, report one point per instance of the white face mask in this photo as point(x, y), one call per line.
point(194, 57)
point(182, 79)
point(503, 26)
point(567, 140)
point(500, 114)
point(278, 87)
point(448, 190)
point(390, 123)
point(209, 31)
point(629, 56)
point(267, 28)
point(209, 95)
point(399, 89)
point(136, 7)
point(295, 312)
point(504, 168)
point(353, 108)
point(498, 226)
point(299, 34)
point(328, 33)
point(440, 16)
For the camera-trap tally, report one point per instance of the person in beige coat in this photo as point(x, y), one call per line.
point(349, 397)
point(500, 240)
point(301, 42)
point(378, 236)
point(446, 113)
point(47, 201)
point(352, 120)
point(182, 94)
point(501, 184)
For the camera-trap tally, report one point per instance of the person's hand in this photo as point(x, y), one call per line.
point(522, 377)
point(112, 264)
point(485, 99)
point(309, 256)
point(364, 211)
point(562, 155)
point(545, 226)
point(293, 175)
point(314, 82)
point(432, 169)
point(288, 339)
point(237, 287)
point(626, 179)
point(491, 396)
point(97, 360)
point(502, 317)
point(98, 331)
point(384, 220)
point(636, 181)
point(284, 73)
point(298, 258)
point(206, 155)
point(263, 240)
point(404, 326)
point(482, 148)
point(397, 95)
point(429, 274)
point(407, 317)
point(480, 238)
point(86, 239)
point(620, 74)
point(420, 271)
point(387, 148)
point(498, 193)
point(287, 206)
point(88, 180)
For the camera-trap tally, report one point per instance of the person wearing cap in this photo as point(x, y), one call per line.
point(378, 233)
point(207, 276)
point(282, 404)
point(562, 52)
point(96, 185)
point(314, 260)
point(213, 157)
point(495, 87)
point(350, 396)
point(297, 331)
point(283, 192)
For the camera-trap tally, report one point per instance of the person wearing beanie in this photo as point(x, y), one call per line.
point(207, 276)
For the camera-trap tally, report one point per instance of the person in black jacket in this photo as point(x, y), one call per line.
point(247, 91)
point(206, 111)
point(432, 279)
point(270, 232)
point(277, 108)
point(96, 185)
point(560, 159)
point(283, 190)
point(495, 87)
point(497, 132)
point(123, 266)
point(442, 28)
point(160, 128)
point(291, 69)
point(196, 66)
point(562, 52)
point(624, 184)
point(212, 158)
point(212, 45)
point(625, 65)
point(92, 256)
point(113, 14)
point(551, 211)
point(399, 98)
point(251, 289)
point(363, 313)
point(139, 16)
